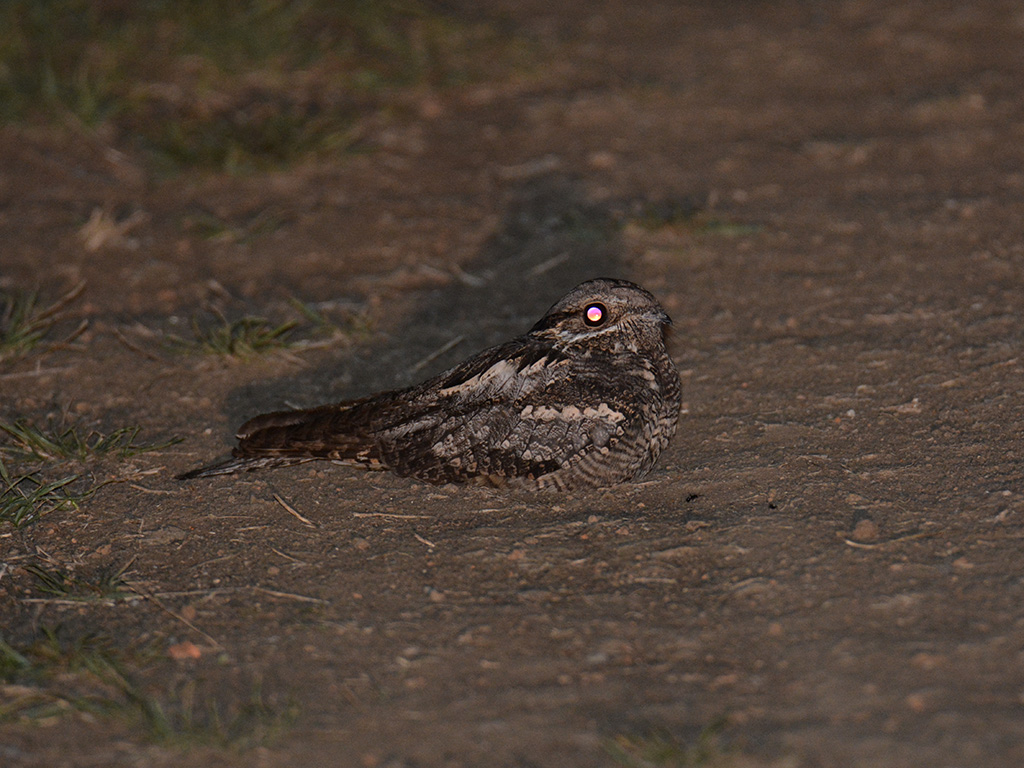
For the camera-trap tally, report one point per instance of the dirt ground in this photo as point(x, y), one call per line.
point(827, 559)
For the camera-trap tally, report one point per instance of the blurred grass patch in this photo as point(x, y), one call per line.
point(250, 336)
point(59, 442)
point(663, 748)
point(66, 458)
point(52, 675)
point(685, 215)
point(107, 583)
point(55, 674)
point(228, 84)
point(192, 715)
point(243, 338)
point(25, 323)
point(217, 229)
point(25, 497)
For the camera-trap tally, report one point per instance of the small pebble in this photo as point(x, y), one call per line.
point(865, 530)
point(183, 651)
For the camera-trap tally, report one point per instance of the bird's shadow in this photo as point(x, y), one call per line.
point(551, 239)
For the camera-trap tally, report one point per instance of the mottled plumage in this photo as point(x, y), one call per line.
point(589, 397)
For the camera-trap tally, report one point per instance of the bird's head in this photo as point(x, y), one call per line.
point(604, 315)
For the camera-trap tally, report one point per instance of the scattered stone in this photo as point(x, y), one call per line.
point(865, 530)
point(184, 651)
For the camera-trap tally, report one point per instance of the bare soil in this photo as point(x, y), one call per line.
point(829, 553)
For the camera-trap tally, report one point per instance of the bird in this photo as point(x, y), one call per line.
point(588, 397)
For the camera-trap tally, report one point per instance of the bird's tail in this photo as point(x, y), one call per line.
point(336, 433)
point(239, 464)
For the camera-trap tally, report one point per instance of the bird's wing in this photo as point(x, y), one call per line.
point(524, 412)
point(519, 410)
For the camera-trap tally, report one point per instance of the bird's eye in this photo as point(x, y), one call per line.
point(595, 315)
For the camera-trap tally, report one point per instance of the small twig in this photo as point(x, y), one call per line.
point(422, 540)
point(36, 372)
point(65, 343)
point(548, 264)
point(391, 514)
point(908, 537)
point(207, 593)
point(67, 601)
point(151, 490)
point(291, 509)
point(437, 353)
point(466, 278)
point(64, 300)
point(286, 556)
point(291, 596)
point(135, 347)
point(220, 559)
point(913, 536)
point(159, 604)
point(860, 544)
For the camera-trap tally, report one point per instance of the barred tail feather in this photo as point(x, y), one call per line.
point(240, 464)
point(336, 433)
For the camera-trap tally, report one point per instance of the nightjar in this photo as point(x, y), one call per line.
point(589, 397)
